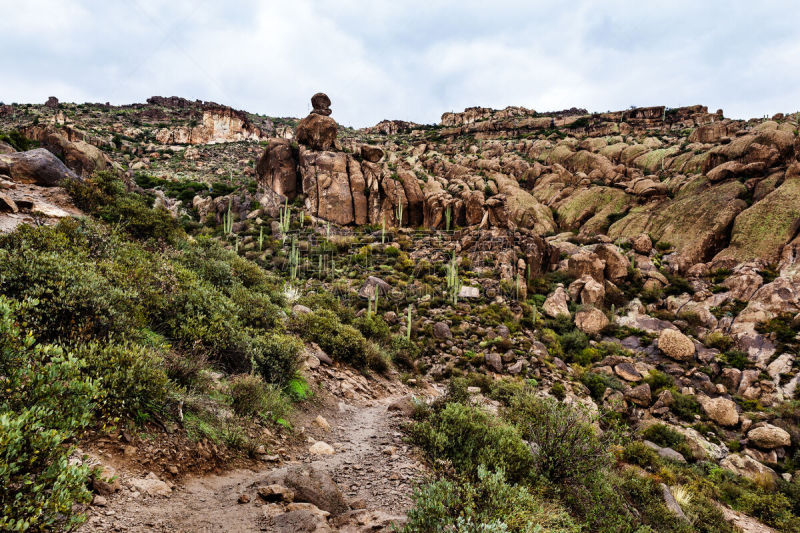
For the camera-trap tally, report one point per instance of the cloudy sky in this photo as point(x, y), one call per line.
point(406, 59)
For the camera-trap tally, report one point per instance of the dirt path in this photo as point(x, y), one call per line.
point(372, 466)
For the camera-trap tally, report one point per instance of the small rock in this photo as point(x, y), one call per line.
point(244, 498)
point(276, 493)
point(321, 448)
point(676, 345)
point(322, 423)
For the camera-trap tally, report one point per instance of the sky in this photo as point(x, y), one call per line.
point(408, 60)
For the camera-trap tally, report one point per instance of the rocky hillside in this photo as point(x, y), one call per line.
point(629, 278)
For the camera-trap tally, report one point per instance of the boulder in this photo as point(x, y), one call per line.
point(642, 244)
point(628, 372)
point(676, 345)
point(441, 331)
point(556, 303)
point(38, 166)
point(591, 320)
point(746, 466)
point(373, 154)
point(321, 104)
point(326, 184)
point(316, 131)
point(310, 485)
point(720, 410)
point(639, 395)
point(616, 263)
point(494, 361)
point(586, 264)
point(769, 437)
point(371, 285)
point(277, 168)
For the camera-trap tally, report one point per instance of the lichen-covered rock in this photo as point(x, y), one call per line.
point(760, 231)
point(591, 320)
point(769, 436)
point(720, 410)
point(697, 222)
point(676, 345)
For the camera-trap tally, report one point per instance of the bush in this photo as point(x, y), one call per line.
point(597, 383)
point(565, 444)
point(130, 378)
point(276, 356)
point(489, 504)
point(718, 340)
point(468, 437)
point(104, 195)
point(404, 352)
point(248, 394)
point(558, 391)
point(685, 406)
point(663, 436)
point(340, 341)
point(373, 327)
point(638, 453)
point(659, 381)
point(46, 403)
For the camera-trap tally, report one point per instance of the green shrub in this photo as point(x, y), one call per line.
point(486, 505)
point(276, 356)
point(340, 341)
point(404, 352)
point(737, 359)
point(130, 378)
point(248, 394)
point(566, 445)
point(638, 453)
point(663, 436)
point(718, 340)
point(685, 406)
point(658, 381)
point(597, 383)
point(45, 405)
point(373, 327)
point(558, 391)
point(573, 342)
point(469, 437)
point(104, 195)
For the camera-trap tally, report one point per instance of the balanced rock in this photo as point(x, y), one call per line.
point(317, 132)
point(321, 104)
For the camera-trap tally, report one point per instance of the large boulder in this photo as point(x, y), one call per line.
point(556, 303)
point(326, 185)
point(720, 410)
point(769, 436)
point(586, 264)
point(746, 466)
point(676, 345)
point(591, 320)
point(38, 166)
point(277, 168)
point(761, 231)
point(318, 132)
point(321, 104)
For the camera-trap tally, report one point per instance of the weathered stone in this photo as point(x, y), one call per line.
point(591, 320)
point(316, 131)
point(37, 166)
point(676, 345)
point(639, 395)
point(720, 410)
point(556, 303)
point(769, 436)
point(277, 168)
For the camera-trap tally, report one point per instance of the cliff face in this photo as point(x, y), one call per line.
point(219, 125)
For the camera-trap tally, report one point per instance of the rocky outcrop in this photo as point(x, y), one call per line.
point(38, 166)
point(219, 124)
point(277, 168)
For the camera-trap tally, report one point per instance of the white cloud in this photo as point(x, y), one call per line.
point(409, 60)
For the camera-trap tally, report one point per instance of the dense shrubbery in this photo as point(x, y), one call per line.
point(46, 401)
point(486, 505)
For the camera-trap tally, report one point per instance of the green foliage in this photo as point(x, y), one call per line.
point(658, 381)
point(663, 436)
point(566, 445)
point(341, 341)
point(468, 437)
point(737, 359)
point(46, 402)
point(558, 391)
point(104, 195)
point(598, 382)
point(298, 389)
point(373, 327)
point(248, 394)
point(18, 141)
point(685, 406)
point(276, 356)
point(130, 377)
point(638, 453)
point(486, 505)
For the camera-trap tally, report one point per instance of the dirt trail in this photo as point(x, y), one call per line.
point(372, 466)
